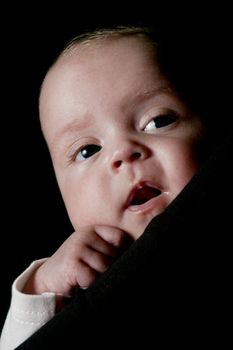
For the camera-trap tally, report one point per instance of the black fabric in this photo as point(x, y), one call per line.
point(172, 286)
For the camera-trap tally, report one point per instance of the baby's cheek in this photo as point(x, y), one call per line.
point(180, 163)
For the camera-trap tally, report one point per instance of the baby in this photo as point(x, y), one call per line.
point(123, 145)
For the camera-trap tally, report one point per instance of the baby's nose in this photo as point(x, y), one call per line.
point(129, 153)
point(134, 156)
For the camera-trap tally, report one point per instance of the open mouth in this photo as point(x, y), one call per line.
point(142, 193)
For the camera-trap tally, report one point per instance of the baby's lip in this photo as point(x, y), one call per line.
point(141, 193)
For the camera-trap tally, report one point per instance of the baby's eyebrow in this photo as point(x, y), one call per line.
point(153, 92)
point(71, 128)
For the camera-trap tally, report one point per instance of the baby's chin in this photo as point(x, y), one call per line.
point(136, 226)
point(136, 232)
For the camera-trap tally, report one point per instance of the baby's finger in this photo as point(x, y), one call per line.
point(96, 260)
point(88, 238)
point(102, 246)
point(86, 275)
point(112, 235)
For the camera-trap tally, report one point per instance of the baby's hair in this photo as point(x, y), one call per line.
point(106, 33)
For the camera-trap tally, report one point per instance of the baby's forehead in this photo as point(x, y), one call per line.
point(102, 45)
point(82, 52)
point(100, 64)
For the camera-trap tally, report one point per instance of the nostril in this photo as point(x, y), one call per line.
point(135, 156)
point(131, 158)
point(118, 163)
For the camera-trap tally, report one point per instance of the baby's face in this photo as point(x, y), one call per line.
point(122, 143)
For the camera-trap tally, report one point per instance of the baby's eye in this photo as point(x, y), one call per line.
point(160, 121)
point(87, 151)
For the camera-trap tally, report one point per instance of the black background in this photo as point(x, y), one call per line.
point(34, 221)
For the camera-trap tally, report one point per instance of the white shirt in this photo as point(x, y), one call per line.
point(27, 313)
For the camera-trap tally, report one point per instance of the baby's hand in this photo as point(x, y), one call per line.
point(80, 259)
